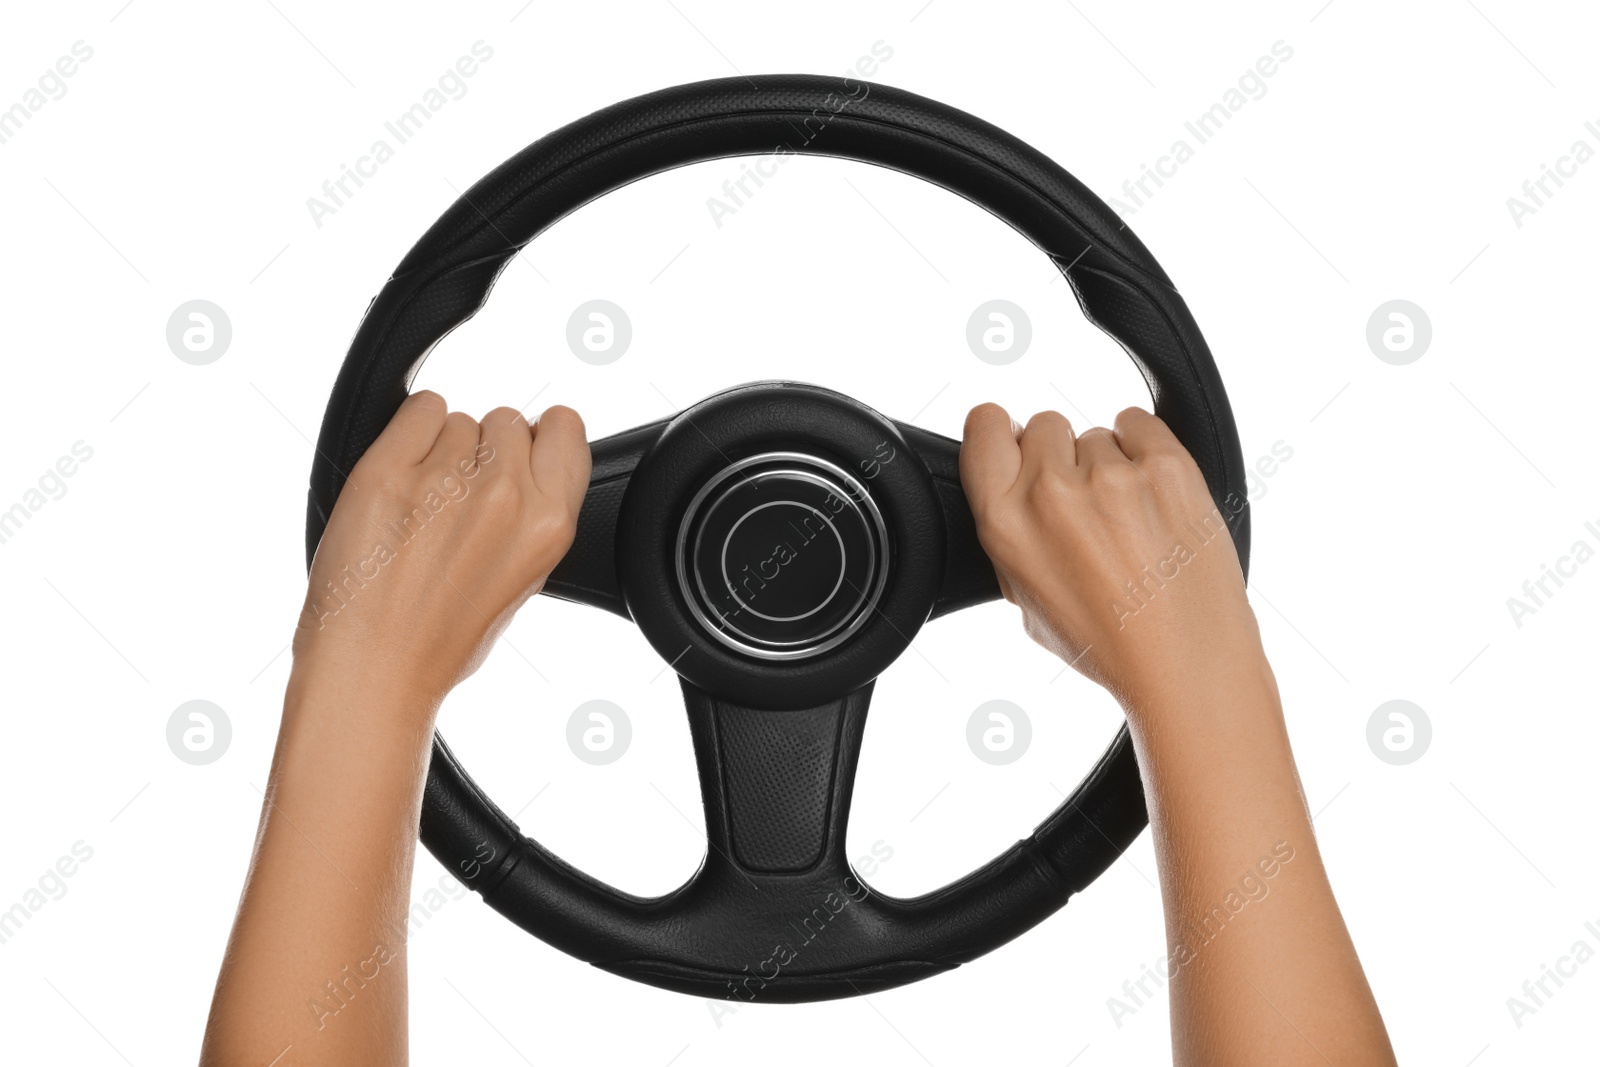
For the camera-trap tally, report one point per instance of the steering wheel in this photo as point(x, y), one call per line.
point(779, 544)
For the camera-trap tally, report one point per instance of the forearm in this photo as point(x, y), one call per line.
point(316, 960)
point(1113, 546)
point(1262, 967)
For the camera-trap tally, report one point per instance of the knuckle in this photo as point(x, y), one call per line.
point(501, 494)
point(429, 401)
point(1169, 467)
point(1049, 491)
point(1120, 478)
point(999, 530)
point(554, 523)
point(987, 412)
point(1096, 433)
point(1131, 417)
point(504, 414)
point(1049, 419)
point(563, 420)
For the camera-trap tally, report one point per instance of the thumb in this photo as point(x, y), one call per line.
point(991, 458)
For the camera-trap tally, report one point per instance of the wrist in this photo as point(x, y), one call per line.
point(361, 660)
point(365, 693)
point(1219, 683)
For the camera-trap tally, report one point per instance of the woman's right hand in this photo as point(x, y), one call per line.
point(1111, 545)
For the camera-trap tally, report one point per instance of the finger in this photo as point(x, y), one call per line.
point(1142, 436)
point(411, 433)
point(990, 457)
point(560, 459)
point(505, 438)
point(1048, 441)
point(457, 441)
point(1099, 445)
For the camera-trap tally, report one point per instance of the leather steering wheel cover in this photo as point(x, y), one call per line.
point(446, 278)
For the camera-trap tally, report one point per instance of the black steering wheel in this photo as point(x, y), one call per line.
point(780, 545)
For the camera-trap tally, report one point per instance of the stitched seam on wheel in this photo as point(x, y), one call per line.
point(1097, 774)
point(1054, 876)
point(503, 872)
point(546, 857)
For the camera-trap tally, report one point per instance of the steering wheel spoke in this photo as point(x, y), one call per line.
point(969, 577)
point(776, 785)
point(587, 574)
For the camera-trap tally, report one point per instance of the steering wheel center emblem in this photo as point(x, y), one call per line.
point(782, 555)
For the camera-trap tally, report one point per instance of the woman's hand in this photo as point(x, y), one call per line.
point(1110, 544)
point(445, 527)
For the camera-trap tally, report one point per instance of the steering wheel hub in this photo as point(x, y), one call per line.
point(782, 555)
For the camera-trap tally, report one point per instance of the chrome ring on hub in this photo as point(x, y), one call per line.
point(838, 504)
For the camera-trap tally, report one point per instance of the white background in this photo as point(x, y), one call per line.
point(1418, 498)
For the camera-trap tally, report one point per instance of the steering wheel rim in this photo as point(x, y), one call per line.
point(711, 937)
